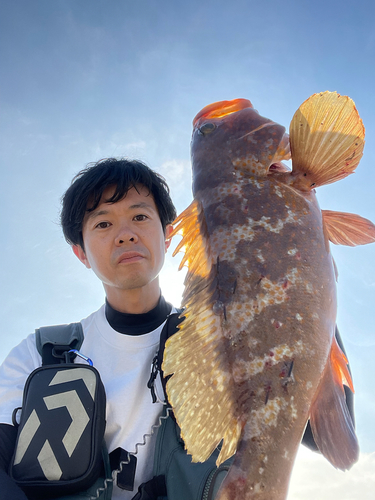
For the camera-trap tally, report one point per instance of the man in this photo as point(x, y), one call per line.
point(117, 216)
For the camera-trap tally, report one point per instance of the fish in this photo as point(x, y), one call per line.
point(255, 358)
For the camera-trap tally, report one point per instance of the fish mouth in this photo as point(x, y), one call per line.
point(221, 108)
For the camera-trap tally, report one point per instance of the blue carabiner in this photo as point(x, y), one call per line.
point(80, 355)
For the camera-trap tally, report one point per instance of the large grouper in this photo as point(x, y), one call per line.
point(256, 356)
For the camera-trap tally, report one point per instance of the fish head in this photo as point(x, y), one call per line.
point(230, 138)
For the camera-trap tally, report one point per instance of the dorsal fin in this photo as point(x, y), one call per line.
point(348, 229)
point(192, 244)
point(198, 389)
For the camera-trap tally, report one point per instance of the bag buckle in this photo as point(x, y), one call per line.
point(82, 356)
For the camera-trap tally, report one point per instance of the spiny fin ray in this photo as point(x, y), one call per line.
point(198, 391)
point(193, 244)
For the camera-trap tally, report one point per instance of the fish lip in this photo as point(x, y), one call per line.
point(128, 255)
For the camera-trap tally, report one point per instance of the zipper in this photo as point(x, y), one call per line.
point(208, 490)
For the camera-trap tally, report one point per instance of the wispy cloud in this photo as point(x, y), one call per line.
point(314, 478)
point(177, 173)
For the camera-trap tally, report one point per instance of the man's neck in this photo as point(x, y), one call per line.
point(135, 301)
point(138, 324)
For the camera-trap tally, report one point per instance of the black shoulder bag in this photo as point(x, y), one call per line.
point(59, 448)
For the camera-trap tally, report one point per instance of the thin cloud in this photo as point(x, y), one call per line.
point(315, 478)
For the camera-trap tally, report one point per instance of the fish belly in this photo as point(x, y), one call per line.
point(275, 295)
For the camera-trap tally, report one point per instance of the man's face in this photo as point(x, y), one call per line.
point(124, 242)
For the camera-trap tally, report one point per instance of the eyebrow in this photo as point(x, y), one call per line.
point(142, 204)
point(98, 213)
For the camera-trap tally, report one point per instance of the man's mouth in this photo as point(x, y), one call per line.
point(129, 257)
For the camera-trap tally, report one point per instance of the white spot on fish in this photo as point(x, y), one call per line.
point(244, 370)
point(293, 251)
point(258, 488)
point(264, 417)
point(256, 183)
point(299, 317)
point(252, 342)
point(219, 382)
point(293, 409)
point(261, 470)
point(308, 385)
point(259, 256)
point(276, 228)
point(242, 314)
point(278, 191)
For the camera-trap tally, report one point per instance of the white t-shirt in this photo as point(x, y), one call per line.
point(124, 363)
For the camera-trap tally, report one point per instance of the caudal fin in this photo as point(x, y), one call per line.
point(331, 423)
point(326, 138)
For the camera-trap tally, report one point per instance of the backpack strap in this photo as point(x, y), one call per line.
point(169, 329)
point(53, 342)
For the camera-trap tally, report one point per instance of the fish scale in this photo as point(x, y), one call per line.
point(256, 355)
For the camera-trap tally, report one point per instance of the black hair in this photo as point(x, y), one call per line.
point(87, 187)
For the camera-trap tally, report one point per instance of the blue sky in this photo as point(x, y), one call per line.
point(86, 79)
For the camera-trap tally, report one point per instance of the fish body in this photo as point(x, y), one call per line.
point(256, 356)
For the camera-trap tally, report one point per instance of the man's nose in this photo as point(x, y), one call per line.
point(125, 235)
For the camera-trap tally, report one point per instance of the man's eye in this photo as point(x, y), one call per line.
point(103, 225)
point(140, 217)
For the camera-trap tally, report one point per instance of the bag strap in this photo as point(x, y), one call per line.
point(169, 329)
point(53, 342)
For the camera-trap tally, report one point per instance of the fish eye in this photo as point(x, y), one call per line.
point(206, 128)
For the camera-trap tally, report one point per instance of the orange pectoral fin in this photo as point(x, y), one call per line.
point(348, 229)
point(330, 420)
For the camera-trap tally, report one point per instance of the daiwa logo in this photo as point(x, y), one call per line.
point(68, 399)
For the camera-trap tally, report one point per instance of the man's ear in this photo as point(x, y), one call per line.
point(168, 232)
point(80, 253)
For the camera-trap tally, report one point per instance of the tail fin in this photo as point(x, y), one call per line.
point(326, 138)
point(331, 423)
